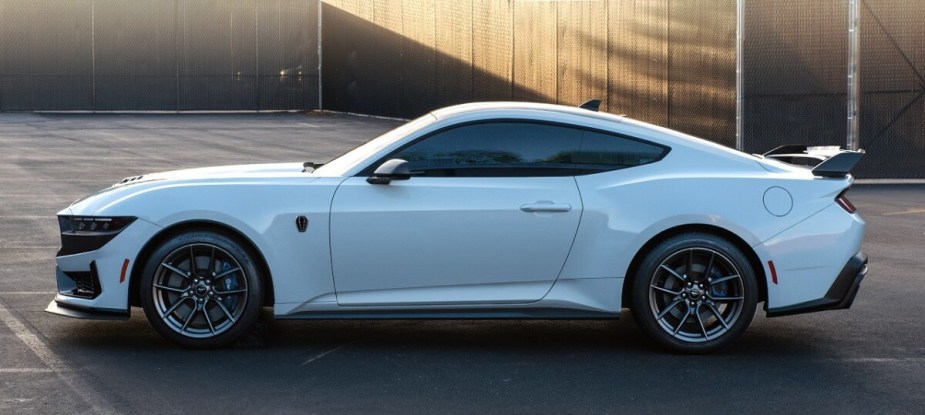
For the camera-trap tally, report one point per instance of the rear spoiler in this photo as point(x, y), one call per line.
point(824, 161)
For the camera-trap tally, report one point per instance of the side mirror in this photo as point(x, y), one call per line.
point(394, 169)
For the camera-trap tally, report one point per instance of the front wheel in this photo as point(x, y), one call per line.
point(201, 289)
point(694, 293)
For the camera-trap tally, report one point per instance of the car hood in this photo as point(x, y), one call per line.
point(129, 187)
point(242, 171)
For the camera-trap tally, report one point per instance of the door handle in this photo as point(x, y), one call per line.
point(546, 206)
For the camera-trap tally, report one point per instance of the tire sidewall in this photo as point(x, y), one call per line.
point(647, 269)
point(245, 260)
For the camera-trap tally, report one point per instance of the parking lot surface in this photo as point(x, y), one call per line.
point(868, 359)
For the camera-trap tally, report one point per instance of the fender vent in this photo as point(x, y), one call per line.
point(301, 223)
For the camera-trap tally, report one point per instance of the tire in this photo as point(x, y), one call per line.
point(209, 305)
point(694, 293)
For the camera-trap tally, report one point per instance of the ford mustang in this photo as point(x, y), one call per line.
point(483, 210)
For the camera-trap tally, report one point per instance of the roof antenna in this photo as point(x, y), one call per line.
point(591, 104)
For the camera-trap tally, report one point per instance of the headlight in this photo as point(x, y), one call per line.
point(88, 233)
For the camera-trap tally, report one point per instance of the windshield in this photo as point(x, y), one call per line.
point(347, 161)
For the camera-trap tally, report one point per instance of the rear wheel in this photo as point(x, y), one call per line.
point(695, 293)
point(201, 289)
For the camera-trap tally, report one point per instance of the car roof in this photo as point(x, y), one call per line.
point(574, 114)
point(476, 107)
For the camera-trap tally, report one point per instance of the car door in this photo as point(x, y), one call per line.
point(488, 216)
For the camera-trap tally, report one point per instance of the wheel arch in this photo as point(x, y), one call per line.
point(185, 226)
point(730, 236)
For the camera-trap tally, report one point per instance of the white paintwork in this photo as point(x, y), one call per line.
point(484, 243)
point(449, 240)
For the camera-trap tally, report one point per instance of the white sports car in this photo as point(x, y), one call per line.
point(486, 210)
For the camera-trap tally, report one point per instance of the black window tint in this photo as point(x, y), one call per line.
point(601, 151)
point(496, 149)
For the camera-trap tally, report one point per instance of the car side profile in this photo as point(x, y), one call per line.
point(483, 210)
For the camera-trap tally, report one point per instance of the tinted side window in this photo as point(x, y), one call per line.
point(496, 149)
point(601, 152)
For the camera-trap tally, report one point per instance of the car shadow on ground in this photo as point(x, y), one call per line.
point(533, 337)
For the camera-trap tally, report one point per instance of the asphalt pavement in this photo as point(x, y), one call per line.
point(869, 359)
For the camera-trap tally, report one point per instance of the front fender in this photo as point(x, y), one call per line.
point(264, 212)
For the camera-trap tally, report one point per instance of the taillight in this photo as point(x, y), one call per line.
point(845, 203)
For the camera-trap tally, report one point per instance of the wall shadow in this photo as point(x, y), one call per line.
point(671, 63)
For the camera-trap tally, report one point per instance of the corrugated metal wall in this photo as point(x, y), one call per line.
point(670, 62)
point(158, 54)
point(796, 57)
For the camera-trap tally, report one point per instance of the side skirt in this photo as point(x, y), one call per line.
point(473, 314)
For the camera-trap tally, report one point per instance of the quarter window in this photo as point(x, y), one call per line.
point(602, 152)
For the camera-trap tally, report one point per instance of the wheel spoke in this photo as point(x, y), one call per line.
point(706, 271)
point(189, 319)
point(718, 316)
point(192, 260)
point(724, 279)
point(174, 307)
point(243, 290)
point(683, 320)
point(225, 274)
point(665, 290)
point(700, 321)
point(175, 270)
point(205, 312)
point(225, 310)
point(212, 261)
point(672, 272)
point(725, 298)
point(172, 289)
point(667, 309)
point(690, 264)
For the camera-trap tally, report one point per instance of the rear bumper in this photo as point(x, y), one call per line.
point(839, 296)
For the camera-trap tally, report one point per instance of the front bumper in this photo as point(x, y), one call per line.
point(839, 296)
point(69, 289)
point(95, 284)
point(64, 309)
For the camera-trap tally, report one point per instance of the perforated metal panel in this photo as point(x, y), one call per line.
point(892, 106)
point(535, 51)
point(50, 68)
point(158, 54)
point(135, 54)
point(287, 54)
point(796, 56)
point(701, 69)
point(637, 60)
point(492, 50)
point(548, 51)
point(582, 52)
point(454, 47)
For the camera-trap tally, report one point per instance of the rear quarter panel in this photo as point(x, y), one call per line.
point(692, 185)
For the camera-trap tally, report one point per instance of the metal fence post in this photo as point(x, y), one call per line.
point(853, 141)
point(740, 88)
